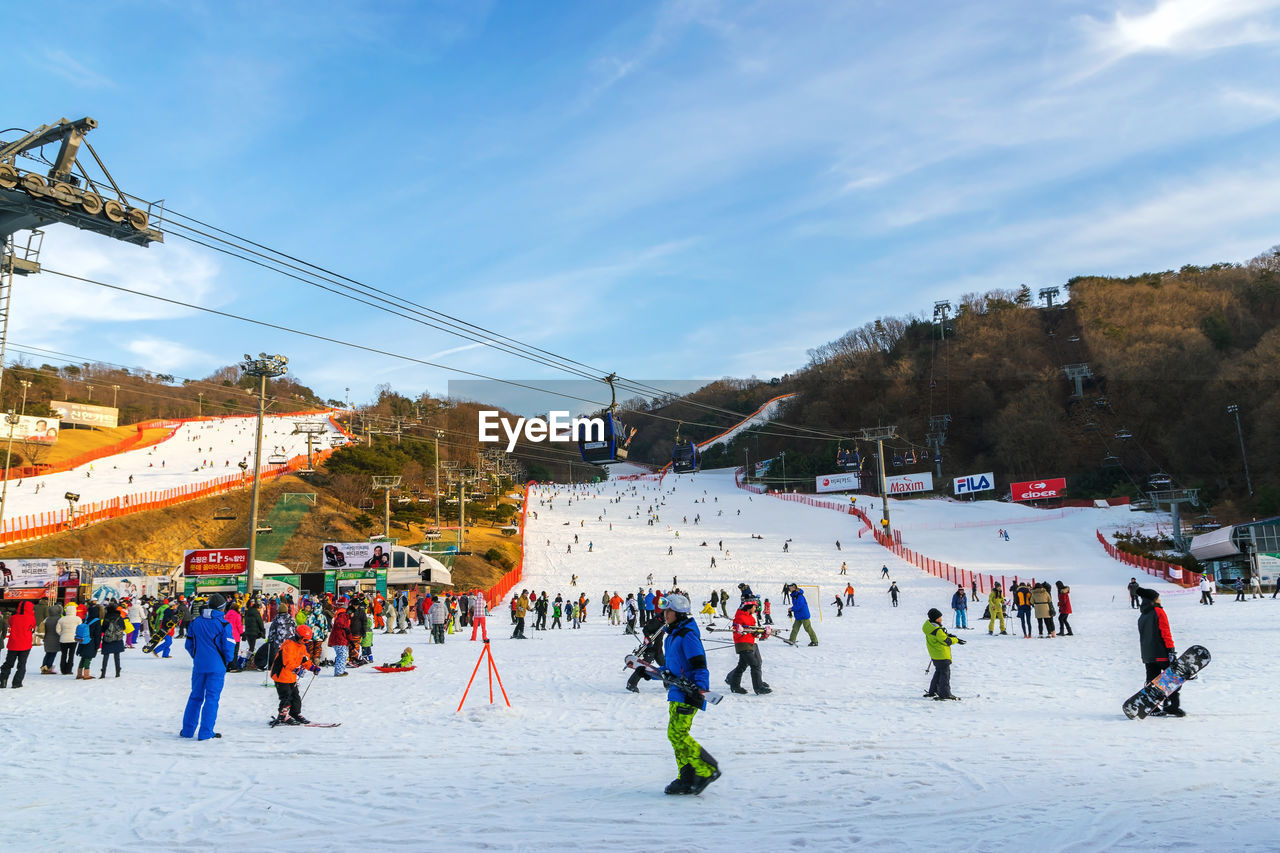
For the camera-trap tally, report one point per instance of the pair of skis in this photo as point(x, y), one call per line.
point(762, 631)
point(670, 680)
point(276, 721)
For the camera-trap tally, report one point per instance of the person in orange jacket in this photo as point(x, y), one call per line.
point(291, 660)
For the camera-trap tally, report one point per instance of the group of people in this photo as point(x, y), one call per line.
point(1028, 600)
point(71, 635)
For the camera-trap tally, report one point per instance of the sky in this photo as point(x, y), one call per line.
point(678, 189)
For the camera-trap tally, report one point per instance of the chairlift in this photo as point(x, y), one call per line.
point(1090, 426)
point(1102, 403)
point(1123, 434)
point(1160, 480)
point(277, 459)
point(612, 446)
point(909, 457)
point(937, 458)
point(224, 513)
point(897, 460)
point(1111, 462)
point(1075, 339)
point(265, 528)
point(684, 454)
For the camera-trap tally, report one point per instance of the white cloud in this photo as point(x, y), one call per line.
point(167, 356)
point(1182, 26)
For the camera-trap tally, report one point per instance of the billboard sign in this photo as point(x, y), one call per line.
point(908, 484)
point(1035, 490)
point(842, 482)
point(974, 483)
point(86, 415)
point(27, 574)
point(39, 430)
point(356, 555)
point(212, 562)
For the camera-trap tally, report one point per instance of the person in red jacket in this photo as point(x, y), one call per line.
point(1157, 646)
point(1064, 610)
point(744, 643)
point(339, 637)
point(22, 629)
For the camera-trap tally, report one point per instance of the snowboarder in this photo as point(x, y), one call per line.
point(210, 645)
point(939, 644)
point(848, 594)
point(744, 643)
point(686, 659)
point(839, 606)
point(893, 592)
point(1156, 642)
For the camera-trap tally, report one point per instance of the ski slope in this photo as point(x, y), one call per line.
point(768, 412)
point(198, 452)
point(844, 753)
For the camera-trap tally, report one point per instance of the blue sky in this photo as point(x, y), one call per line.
point(682, 189)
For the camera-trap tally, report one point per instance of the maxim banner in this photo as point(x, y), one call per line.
point(86, 415)
point(838, 482)
point(1034, 490)
point(908, 484)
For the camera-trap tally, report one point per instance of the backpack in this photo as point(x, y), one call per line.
point(84, 631)
point(114, 633)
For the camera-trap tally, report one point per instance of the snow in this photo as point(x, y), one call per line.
point(768, 412)
point(844, 752)
point(198, 452)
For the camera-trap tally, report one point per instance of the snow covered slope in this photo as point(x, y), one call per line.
point(768, 412)
point(844, 754)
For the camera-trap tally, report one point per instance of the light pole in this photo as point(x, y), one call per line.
point(12, 420)
point(1233, 409)
point(90, 390)
point(25, 385)
point(115, 393)
point(439, 435)
point(783, 455)
point(200, 404)
point(263, 366)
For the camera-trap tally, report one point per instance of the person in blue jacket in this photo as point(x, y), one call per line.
point(800, 615)
point(686, 658)
point(959, 603)
point(211, 648)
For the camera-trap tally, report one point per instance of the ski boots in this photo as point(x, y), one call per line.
point(682, 784)
point(764, 689)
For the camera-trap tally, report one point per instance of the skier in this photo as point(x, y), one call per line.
point(893, 592)
point(291, 660)
point(744, 643)
point(520, 606)
point(995, 609)
point(800, 615)
point(210, 645)
point(884, 572)
point(844, 568)
point(960, 604)
point(939, 643)
point(839, 603)
point(1156, 642)
point(686, 659)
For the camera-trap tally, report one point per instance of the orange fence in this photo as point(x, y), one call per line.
point(36, 525)
point(494, 594)
point(1170, 572)
point(937, 568)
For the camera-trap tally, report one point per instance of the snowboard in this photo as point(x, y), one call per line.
point(395, 668)
point(157, 637)
point(759, 631)
point(1152, 697)
point(711, 697)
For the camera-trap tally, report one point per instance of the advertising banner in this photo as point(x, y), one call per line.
point(974, 483)
point(909, 484)
point(121, 588)
point(86, 415)
point(1034, 490)
point(27, 574)
point(356, 555)
point(281, 584)
point(762, 468)
point(39, 430)
point(204, 585)
point(842, 482)
point(210, 562)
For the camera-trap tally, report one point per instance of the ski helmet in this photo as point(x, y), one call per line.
point(216, 601)
point(304, 633)
point(676, 602)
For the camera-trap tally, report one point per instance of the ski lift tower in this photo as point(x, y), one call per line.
point(1048, 294)
point(878, 435)
point(1175, 498)
point(31, 198)
point(386, 484)
point(1077, 373)
point(310, 429)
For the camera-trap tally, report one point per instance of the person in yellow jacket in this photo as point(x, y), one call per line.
point(995, 609)
point(939, 644)
point(518, 609)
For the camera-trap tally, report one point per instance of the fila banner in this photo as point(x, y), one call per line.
point(908, 484)
point(974, 483)
point(837, 482)
point(1035, 490)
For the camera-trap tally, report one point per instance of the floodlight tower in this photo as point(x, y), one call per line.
point(263, 367)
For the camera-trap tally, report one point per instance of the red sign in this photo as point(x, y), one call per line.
point(207, 562)
point(28, 593)
point(1035, 490)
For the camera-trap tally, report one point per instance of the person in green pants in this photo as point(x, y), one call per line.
point(800, 615)
point(687, 659)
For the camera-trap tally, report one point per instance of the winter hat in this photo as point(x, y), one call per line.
point(934, 613)
point(1147, 594)
point(216, 601)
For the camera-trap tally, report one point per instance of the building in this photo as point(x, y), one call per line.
point(1241, 551)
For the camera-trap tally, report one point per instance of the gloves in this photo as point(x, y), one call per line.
point(315, 670)
point(960, 641)
point(299, 670)
point(1173, 657)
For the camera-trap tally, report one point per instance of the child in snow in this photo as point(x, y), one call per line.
point(290, 661)
point(406, 660)
point(366, 643)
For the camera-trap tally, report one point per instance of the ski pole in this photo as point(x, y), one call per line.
point(308, 687)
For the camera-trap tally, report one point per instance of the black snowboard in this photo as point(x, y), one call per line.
point(1152, 698)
